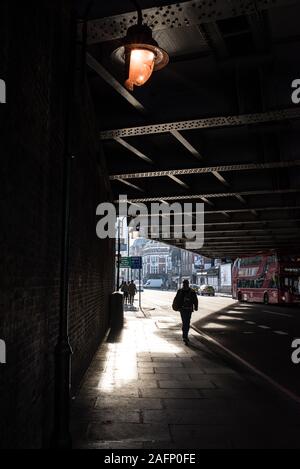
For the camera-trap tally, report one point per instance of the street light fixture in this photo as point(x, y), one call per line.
point(140, 53)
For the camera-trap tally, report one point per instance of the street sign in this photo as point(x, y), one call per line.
point(131, 262)
point(136, 262)
point(125, 262)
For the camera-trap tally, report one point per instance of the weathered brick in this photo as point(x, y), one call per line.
point(34, 51)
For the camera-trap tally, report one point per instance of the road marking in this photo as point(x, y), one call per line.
point(231, 318)
point(251, 323)
point(278, 314)
point(248, 332)
point(267, 378)
point(264, 327)
point(280, 333)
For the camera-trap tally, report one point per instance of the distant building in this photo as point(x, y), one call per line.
point(174, 265)
point(183, 266)
point(215, 273)
point(226, 278)
point(137, 250)
point(157, 261)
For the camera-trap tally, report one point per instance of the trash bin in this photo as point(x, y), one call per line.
point(116, 312)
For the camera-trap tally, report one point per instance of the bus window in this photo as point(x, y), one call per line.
point(291, 284)
point(259, 282)
point(271, 260)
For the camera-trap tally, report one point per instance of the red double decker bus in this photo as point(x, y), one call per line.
point(267, 278)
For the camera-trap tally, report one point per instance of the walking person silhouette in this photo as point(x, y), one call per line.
point(185, 302)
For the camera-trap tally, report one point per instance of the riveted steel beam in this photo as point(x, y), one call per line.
point(141, 155)
point(216, 195)
point(256, 209)
point(208, 169)
point(133, 186)
point(244, 210)
point(204, 123)
point(175, 15)
point(250, 238)
point(286, 230)
point(111, 80)
point(133, 150)
point(186, 144)
point(286, 221)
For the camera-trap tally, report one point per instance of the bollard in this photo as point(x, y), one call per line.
point(116, 312)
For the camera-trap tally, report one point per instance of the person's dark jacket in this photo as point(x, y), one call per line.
point(185, 300)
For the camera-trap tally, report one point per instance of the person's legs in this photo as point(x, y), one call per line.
point(186, 320)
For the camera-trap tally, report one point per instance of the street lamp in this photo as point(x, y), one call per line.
point(140, 53)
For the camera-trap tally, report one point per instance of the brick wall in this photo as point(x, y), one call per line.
point(34, 47)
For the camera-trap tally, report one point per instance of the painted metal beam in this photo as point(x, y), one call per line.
point(133, 150)
point(216, 195)
point(204, 123)
point(221, 178)
point(266, 231)
point(175, 15)
point(208, 169)
point(178, 181)
point(111, 80)
point(186, 144)
point(246, 210)
point(141, 155)
point(256, 209)
point(285, 221)
point(253, 237)
point(133, 186)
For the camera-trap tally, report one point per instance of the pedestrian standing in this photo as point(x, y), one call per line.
point(132, 291)
point(125, 290)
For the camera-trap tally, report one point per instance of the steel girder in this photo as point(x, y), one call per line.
point(176, 15)
point(208, 169)
point(204, 123)
point(190, 197)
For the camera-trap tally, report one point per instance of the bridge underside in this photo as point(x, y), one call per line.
point(216, 126)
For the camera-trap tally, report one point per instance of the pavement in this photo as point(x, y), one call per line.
point(259, 335)
point(146, 390)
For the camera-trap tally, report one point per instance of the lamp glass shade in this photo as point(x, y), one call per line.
point(141, 66)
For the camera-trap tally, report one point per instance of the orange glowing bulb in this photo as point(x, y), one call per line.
point(140, 67)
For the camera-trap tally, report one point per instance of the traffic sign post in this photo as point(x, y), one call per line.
point(136, 263)
point(133, 263)
point(125, 262)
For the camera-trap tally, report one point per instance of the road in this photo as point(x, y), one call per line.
point(162, 302)
point(260, 335)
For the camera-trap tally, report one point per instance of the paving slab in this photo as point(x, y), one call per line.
point(148, 390)
point(166, 393)
point(128, 431)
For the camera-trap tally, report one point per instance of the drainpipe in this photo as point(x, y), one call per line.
point(119, 256)
point(61, 437)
